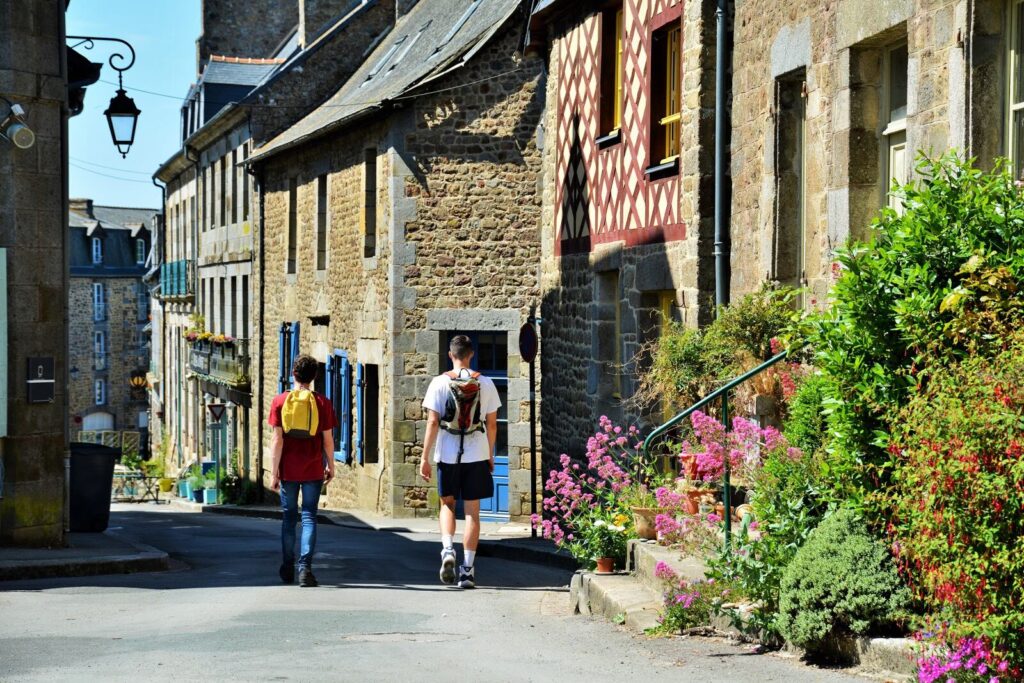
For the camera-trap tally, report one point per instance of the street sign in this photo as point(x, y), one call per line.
point(528, 342)
point(216, 410)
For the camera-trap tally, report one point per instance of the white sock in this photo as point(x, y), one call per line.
point(446, 541)
point(470, 556)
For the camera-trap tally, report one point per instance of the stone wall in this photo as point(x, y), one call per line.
point(33, 231)
point(244, 28)
point(954, 100)
point(125, 351)
point(457, 217)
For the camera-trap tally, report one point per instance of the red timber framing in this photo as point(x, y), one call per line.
point(603, 193)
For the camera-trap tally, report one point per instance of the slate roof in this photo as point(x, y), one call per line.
point(434, 37)
point(124, 217)
point(235, 71)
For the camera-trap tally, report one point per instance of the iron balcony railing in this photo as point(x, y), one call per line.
point(176, 280)
point(224, 363)
point(723, 394)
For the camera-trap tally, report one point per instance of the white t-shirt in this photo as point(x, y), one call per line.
point(447, 448)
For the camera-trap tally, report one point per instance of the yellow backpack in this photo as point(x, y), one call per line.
point(299, 415)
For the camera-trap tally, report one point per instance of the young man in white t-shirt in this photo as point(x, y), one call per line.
point(466, 475)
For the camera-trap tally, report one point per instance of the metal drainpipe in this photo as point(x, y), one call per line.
point(721, 251)
point(260, 189)
point(158, 249)
point(196, 432)
point(62, 59)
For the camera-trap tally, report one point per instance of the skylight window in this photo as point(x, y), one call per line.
point(458, 25)
point(384, 60)
point(408, 47)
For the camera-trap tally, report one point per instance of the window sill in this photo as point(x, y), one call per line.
point(665, 169)
point(612, 138)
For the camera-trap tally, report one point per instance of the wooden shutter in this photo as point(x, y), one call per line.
point(295, 345)
point(345, 377)
point(282, 356)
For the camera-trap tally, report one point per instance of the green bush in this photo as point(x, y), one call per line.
point(806, 421)
point(935, 282)
point(957, 501)
point(841, 581)
point(686, 364)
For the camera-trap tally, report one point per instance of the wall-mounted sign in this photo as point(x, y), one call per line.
point(40, 379)
point(216, 410)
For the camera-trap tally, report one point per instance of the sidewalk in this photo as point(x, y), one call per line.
point(503, 540)
point(87, 554)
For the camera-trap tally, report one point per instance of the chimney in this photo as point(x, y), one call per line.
point(81, 206)
point(315, 16)
point(243, 28)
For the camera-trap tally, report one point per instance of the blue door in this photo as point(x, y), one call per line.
point(490, 358)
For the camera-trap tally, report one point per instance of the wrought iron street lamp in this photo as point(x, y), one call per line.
point(122, 114)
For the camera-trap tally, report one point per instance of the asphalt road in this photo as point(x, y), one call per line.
point(379, 615)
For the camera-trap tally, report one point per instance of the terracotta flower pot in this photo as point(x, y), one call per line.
point(643, 522)
point(688, 466)
point(605, 565)
point(692, 502)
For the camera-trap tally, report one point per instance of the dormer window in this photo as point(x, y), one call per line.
point(140, 251)
point(97, 250)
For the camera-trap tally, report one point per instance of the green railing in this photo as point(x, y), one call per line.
point(722, 393)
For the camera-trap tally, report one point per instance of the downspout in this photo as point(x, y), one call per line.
point(195, 298)
point(158, 251)
point(721, 251)
point(259, 189)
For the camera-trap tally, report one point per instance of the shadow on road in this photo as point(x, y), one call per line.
point(222, 551)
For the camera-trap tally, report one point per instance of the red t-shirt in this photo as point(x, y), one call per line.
point(303, 459)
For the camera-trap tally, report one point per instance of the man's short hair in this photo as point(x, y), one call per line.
point(305, 368)
point(461, 347)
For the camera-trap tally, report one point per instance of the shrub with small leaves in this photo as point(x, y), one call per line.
point(841, 581)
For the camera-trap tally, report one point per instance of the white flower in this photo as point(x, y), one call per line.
point(614, 527)
point(600, 522)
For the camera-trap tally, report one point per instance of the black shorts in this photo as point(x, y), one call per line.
point(468, 480)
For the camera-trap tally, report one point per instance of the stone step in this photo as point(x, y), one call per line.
point(617, 597)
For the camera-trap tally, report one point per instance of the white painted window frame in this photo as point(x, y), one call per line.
point(894, 131)
point(1014, 99)
point(97, 250)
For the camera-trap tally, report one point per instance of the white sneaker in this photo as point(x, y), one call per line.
point(466, 579)
point(447, 572)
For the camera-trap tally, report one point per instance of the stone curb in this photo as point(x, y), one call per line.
point(617, 597)
point(147, 559)
point(510, 549)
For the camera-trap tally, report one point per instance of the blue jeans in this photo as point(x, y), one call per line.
point(289, 510)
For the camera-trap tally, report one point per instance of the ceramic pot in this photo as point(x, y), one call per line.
point(643, 522)
point(197, 495)
point(688, 467)
point(605, 565)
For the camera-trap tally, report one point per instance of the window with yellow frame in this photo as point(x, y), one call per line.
point(1015, 89)
point(611, 70)
point(666, 93)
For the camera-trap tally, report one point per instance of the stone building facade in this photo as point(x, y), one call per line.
point(627, 218)
point(848, 95)
point(33, 263)
point(386, 229)
point(108, 309)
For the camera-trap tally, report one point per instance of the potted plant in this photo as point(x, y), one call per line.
point(210, 489)
point(642, 503)
point(196, 484)
point(606, 540)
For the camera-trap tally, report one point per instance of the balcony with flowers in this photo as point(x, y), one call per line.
point(218, 358)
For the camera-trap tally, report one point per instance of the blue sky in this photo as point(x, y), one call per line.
point(163, 33)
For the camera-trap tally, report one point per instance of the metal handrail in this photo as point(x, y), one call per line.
point(723, 393)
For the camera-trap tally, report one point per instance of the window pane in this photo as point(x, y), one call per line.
point(898, 83)
point(1018, 76)
point(1018, 144)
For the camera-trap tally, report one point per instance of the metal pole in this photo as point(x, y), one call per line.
point(726, 486)
point(533, 447)
point(721, 138)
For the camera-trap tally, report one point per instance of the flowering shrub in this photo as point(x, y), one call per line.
point(686, 603)
point(580, 494)
point(968, 660)
point(957, 503)
point(744, 446)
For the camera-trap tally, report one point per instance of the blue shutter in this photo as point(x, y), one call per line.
point(346, 409)
point(360, 392)
point(295, 344)
point(282, 361)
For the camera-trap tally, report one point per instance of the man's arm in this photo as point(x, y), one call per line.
point(276, 447)
point(429, 438)
point(329, 454)
point(492, 435)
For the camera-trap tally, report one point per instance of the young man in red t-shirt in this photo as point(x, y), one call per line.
point(304, 464)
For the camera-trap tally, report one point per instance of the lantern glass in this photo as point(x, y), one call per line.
point(122, 116)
